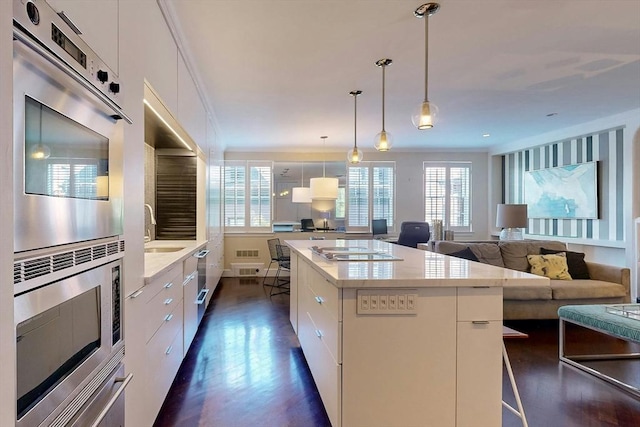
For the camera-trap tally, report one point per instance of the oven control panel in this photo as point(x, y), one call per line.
point(59, 36)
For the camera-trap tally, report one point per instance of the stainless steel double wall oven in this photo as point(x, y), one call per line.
point(68, 246)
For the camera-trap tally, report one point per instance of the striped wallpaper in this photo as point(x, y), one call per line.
point(606, 147)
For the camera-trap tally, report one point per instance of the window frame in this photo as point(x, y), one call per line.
point(371, 167)
point(249, 195)
point(447, 214)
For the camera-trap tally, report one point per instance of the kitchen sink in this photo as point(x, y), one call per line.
point(161, 249)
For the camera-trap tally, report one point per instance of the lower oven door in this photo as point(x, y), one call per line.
point(106, 408)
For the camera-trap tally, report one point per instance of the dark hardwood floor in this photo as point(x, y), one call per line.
point(245, 369)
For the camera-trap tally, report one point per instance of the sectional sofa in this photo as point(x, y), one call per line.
point(594, 284)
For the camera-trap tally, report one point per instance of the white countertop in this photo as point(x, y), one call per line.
point(417, 268)
point(158, 262)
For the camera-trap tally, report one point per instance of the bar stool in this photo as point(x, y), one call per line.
point(512, 333)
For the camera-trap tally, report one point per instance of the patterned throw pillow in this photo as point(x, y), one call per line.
point(551, 266)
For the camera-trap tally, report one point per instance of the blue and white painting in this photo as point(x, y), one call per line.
point(563, 192)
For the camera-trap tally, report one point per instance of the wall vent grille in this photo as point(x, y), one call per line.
point(247, 253)
point(31, 268)
point(246, 269)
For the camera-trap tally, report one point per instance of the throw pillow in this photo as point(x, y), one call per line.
point(551, 266)
point(575, 260)
point(466, 253)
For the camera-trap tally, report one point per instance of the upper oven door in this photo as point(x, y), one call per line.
point(67, 152)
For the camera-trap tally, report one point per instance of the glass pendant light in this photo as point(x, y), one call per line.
point(425, 114)
point(354, 156)
point(384, 140)
point(40, 151)
point(323, 188)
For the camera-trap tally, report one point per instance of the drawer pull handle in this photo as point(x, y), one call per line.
point(168, 285)
point(168, 317)
point(481, 287)
point(137, 293)
point(319, 300)
point(318, 333)
point(168, 350)
point(168, 301)
point(480, 322)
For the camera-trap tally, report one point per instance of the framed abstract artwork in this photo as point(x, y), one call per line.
point(562, 192)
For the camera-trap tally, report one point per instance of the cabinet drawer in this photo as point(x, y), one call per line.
point(326, 293)
point(189, 266)
point(326, 372)
point(171, 277)
point(479, 304)
point(164, 356)
point(326, 326)
point(161, 308)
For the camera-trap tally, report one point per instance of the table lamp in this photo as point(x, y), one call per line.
point(512, 218)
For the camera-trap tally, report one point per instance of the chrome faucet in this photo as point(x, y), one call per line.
point(147, 237)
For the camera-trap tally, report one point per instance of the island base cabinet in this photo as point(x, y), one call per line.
point(400, 370)
point(326, 372)
point(479, 376)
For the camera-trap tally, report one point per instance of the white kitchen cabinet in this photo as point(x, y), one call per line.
point(164, 355)
point(161, 305)
point(163, 313)
point(98, 25)
point(191, 112)
point(190, 294)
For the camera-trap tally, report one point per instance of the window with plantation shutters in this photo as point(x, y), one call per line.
point(358, 196)
point(383, 193)
point(247, 195)
point(260, 200)
point(447, 194)
point(370, 194)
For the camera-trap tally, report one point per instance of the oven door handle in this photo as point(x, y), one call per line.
point(125, 382)
point(20, 36)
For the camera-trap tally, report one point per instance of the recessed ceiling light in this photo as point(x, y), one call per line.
point(486, 135)
point(552, 114)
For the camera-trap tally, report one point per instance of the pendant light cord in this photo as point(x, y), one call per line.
point(426, 58)
point(355, 122)
point(383, 91)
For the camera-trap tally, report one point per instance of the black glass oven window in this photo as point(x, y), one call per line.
point(62, 157)
point(53, 343)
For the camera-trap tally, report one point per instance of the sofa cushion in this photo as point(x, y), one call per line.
point(551, 266)
point(575, 260)
point(487, 253)
point(527, 292)
point(514, 253)
point(466, 253)
point(581, 289)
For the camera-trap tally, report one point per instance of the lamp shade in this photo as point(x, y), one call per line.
point(301, 195)
point(511, 216)
point(324, 188)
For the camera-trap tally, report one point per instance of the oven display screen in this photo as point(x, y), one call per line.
point(62, 157)
point(68, 46)
point(52, 344)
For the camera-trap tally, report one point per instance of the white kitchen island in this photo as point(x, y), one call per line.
point(414, 341)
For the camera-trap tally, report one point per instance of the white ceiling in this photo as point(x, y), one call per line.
point(278, 72)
